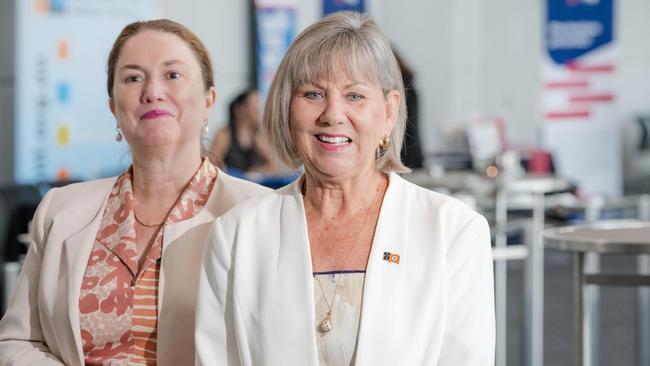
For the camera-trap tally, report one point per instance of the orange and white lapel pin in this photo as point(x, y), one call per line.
point(391, 257)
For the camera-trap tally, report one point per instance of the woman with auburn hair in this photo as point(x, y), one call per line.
point(350, 264)
point(112, 269)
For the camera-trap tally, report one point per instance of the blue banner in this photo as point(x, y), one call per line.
point(275, 30)
point(577, 27)
point(332, 6)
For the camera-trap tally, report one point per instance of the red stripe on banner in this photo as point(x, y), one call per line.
point(592, 98)
point(568, 114)
point(566, 84)
point(604, 68)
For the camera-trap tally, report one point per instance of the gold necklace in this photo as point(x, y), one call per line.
point(137, 219)
point(325, 325)
point(145, 224)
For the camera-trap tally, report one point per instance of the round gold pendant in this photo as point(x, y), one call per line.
point(325, 326)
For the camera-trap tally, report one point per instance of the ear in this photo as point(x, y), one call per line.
point(210, 97)
point(393, 99)
point(111, 105)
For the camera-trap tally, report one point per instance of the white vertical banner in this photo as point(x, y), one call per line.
point(579, 95)
point(64, 129)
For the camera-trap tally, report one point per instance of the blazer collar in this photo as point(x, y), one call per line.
point(77, 249)
point(293, 298)
point(209, 212)
point(384, 277)
point(383, 282)
point(79, 245)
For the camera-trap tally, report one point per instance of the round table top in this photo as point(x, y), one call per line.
point(540, 184)
point(620, 237)
point(458, 180)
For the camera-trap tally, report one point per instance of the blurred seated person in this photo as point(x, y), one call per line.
point(239, 146)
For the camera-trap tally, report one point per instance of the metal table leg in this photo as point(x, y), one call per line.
point(591, 308)
point(579, 315)
point(644, 317)
point(534, 290)
point(644, 293)
point(500, 276)
point(592, 293)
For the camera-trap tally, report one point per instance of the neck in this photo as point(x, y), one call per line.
point(332, 199)
point(160, 178)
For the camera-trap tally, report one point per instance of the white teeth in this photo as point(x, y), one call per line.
point(333, 140)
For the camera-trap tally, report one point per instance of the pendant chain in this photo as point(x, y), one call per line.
point(326, 324)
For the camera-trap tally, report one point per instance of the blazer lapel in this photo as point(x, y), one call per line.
point(218, 203)
point(77, 250)
point(293, 299)
point(385, 278)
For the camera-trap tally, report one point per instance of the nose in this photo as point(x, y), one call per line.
point(334, 112)
point(152, 91)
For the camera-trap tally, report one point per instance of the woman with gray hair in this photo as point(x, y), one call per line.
point(350, 264)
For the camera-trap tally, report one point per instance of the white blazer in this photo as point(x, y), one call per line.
point(41, 325)
point(436, 307)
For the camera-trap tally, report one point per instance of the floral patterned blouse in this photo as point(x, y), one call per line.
point(119, 302)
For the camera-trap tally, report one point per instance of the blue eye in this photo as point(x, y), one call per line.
point(313, 95)
point(354, 97)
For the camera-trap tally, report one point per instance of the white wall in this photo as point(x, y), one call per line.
point(473, 58)
point(224, 27)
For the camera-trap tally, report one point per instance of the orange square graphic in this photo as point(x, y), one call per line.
point(41, 6)
point(63, 49)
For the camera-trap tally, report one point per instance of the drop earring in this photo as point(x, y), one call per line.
point(118, 135)
point(206, 128)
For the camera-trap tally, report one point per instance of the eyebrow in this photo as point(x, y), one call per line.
point(132, 67)
point(354, 83)
point(173, 62)
point(140, 68)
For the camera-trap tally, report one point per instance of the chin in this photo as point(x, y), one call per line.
point(338, 171)
point(159, 136)
point(154, 140)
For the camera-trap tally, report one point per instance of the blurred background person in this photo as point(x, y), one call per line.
point(111, 272)
point(238, 147)
point(411, 154)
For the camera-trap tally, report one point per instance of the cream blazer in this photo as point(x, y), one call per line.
point(41, 325)
point(436, 307)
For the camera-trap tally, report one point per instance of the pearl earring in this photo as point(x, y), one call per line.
point(118, 135)
point(206, 128)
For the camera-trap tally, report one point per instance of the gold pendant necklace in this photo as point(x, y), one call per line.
point(326, 325)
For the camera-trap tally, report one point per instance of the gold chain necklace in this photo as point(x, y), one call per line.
point(137, 219)
point(145, 224)
point(325, 325)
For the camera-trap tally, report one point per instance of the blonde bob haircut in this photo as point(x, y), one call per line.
point(344, 43)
